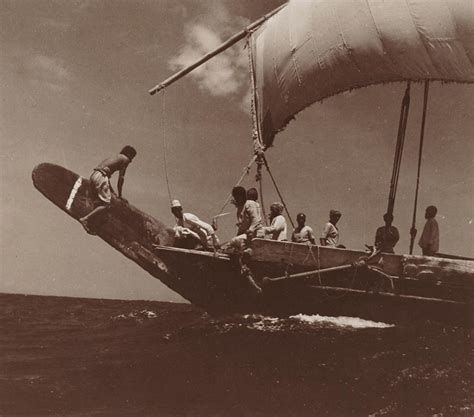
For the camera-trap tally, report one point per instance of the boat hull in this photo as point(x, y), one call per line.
point(406, 288)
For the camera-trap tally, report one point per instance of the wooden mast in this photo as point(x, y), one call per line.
point(227, 44)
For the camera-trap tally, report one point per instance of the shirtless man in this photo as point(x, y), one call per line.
point(387, 236)
point(100, 180)
point(249, 221)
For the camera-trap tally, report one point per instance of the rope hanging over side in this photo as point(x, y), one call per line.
point(402, 126)
point(420, 153)
point(163, 135)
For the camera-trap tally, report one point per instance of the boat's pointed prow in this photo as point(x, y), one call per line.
point(67, 190)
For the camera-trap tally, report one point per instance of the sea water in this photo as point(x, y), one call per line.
point(84, 357)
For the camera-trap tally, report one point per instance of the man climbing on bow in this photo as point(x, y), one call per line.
point(100, 181)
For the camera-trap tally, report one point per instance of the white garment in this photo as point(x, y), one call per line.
point(192, 223)
point(330, 234)
point(277, 229)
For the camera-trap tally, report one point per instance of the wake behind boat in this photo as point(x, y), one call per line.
point(327, 48)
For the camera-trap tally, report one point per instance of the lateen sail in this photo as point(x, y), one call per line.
point(314, 49)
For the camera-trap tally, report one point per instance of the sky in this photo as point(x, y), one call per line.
point(74, 77)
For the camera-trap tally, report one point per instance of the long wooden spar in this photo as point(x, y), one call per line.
point(227, 44)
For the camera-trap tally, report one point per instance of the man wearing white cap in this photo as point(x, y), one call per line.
point(188, 224)
point(278, 227)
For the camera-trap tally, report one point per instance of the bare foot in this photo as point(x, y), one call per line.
point(87, 227)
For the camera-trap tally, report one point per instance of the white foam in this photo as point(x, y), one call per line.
point(341, 321)
point(137, 315)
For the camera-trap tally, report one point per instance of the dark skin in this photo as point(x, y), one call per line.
point(333, 219)
point(385, 241)
point(239, 200)
point(301, 220)
point(273, 213)
point(178, 212)
point(118, 163)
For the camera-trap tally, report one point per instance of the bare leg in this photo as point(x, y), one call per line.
point(85, 220)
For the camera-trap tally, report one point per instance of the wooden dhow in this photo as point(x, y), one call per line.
point(300, 54)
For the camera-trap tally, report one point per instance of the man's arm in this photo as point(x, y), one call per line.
point(378, 237)
point(277, 225)
point(197, 222)
point(253, 214)
point(324, 235)
point(120, 181)
point(396, 236)
point(311, 236)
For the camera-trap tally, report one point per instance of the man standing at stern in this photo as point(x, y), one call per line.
point(429, 240)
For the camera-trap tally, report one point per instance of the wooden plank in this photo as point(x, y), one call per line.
point(316, 257)
point(439, 270)
point(123, 222)
point(429, 269)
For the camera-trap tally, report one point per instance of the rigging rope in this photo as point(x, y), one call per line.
point(245, 172)
point(278, 190)
point(264, 215)
point(259, 148)
point(402, 126)
point(163, 126)
point(420, 152)
point(256, 131)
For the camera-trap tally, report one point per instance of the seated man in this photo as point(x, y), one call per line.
point(277, 228)
point(189, 225)
point(252, 194)
point(386, 236)
point(249, 221)
point(330, 234)
point(100, 180)
point(302, 233)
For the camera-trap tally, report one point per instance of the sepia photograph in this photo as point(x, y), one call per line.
point(237, 208)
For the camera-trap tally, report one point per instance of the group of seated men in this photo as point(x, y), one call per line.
point(249, 217)
point(250, 224)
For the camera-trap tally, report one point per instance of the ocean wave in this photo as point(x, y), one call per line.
point(341, 321)
point(136, 315)
point(296, 322)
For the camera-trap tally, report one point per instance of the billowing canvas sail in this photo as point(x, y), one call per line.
point(313, 49)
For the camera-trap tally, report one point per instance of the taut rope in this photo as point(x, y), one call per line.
point(420, 152)
point(402, 126)
point(163, 134)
